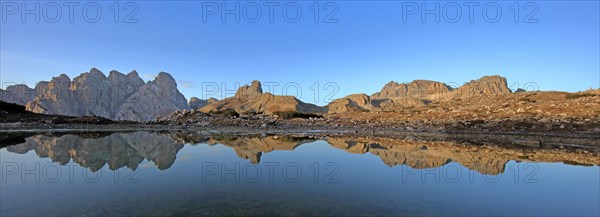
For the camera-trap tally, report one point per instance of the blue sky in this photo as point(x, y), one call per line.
point(367, 47)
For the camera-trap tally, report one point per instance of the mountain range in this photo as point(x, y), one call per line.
point(117, 97)
point(127, 97)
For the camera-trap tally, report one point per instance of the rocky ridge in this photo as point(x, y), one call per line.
point(396, 96)
point(117, 97)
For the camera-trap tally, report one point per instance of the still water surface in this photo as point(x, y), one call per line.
point(149, 174)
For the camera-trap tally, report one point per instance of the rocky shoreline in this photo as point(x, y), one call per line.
point(573, 127)
point(557, 139)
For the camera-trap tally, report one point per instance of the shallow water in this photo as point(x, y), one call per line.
point(149, 174)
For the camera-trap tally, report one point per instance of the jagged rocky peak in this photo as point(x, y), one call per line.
point(487, 85)
point(133, 73)
point(118, 96)
point(93, 77)
point(250, 91)
point(416, 88)
point(62, 78)
point(490, 80)
point(96, 72)
point(127, 82)
point(165, 79)
point(115, 75)
point(134, 79)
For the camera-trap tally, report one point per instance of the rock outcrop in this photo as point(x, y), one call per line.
point(197, 103)
point(117, 97)
point(251, 99)
point(352, 103)
point(422, 89)
point(485, 86)
point(250, 91)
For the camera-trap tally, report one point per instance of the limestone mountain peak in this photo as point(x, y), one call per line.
point(118, 96)
point(250, 91)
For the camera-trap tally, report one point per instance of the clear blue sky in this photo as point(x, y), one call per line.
point(369, 46)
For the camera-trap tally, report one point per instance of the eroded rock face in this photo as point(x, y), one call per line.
point(251, 99)
point(117, 97)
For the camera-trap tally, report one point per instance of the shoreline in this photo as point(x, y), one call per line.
point(588, 130)
point(542, 140)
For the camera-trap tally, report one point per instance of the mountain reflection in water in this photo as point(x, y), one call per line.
point(182, 173)
point(120, 150)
